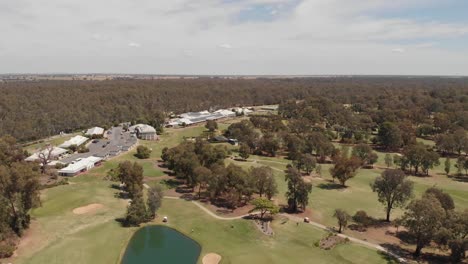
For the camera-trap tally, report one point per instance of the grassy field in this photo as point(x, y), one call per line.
point(60, 236)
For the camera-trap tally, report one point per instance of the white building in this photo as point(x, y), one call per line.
point(95, 131)
point(145, 132)
point(199, 117)
point(80, 165)
point(76, 140)
point(55, 154)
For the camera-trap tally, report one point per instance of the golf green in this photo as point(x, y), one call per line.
point(161, 244)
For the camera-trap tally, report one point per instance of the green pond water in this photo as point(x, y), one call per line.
point(161, 244)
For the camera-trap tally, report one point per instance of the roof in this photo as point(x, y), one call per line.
point(56, 151)
point(198, 117)
point(79, 165)
point(76, 140)
point(95, 131)
point(142, 128)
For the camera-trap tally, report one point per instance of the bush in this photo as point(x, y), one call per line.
point(362, 218)
point(6, 250)
point(143, 152)
point(83, 149)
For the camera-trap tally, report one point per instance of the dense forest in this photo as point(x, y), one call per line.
point(33, 110)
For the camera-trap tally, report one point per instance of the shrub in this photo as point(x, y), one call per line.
point(6, 250)
point(143, 152)
point(362, 218)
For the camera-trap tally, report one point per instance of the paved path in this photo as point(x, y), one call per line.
point(318, 225)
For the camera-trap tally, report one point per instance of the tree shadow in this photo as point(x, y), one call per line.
point(330, 186)
point(459, 178)
point(172, 183)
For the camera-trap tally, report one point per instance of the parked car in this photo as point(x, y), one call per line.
point(95, 141)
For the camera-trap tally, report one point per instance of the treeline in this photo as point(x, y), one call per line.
point(19, 192)
point(33, 110)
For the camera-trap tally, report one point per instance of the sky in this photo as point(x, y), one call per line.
point(235, 37)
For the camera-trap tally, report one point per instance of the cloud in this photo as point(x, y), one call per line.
point(286, 37)
point(398, 50)
point(134, 44)
point(225, 46)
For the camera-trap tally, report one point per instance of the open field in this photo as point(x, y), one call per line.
point(96, 237)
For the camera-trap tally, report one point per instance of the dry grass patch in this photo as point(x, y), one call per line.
point(87, 209)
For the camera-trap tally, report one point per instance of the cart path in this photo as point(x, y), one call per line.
point(298, 219)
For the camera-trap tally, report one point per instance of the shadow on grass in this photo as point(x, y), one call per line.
point(459, 178)
point(330, 186)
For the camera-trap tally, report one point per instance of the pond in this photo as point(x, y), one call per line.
point(161, 244)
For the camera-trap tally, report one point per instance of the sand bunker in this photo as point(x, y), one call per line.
point(90, 208)
point(211, 258)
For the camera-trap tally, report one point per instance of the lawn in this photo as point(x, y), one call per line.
point(58, 235)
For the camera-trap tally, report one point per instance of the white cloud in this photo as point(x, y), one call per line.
point(134, 44)
point(304, 37)
point(225, 46)
point(398, 50)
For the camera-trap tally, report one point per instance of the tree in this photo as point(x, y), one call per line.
point(264, 181)
point(365, 153)
point(211, 125)
point(342, 217)
point(131, 175)
point(446, 201)
point(154, 200)
point(345, 169)
point(389, 136)
point(45, 156)
point(418, 156)
point(393, 189)
point(318, 169)
point(264, 205)
point(202, 176)
point(447, 166)
point(422, 218)
point(298, 190)
point(244, 151)
point(136, 211)
point(19, 189)
point(143, 152)
point(388, 160)
point(309, 163)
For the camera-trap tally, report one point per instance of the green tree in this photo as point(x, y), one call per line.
point(136, 211)
point(264, 181)
point(388, 160)
point(211, 125)
point(342, 217)
point(202, 176)
point(298, 190)
point(345, 169)
point(264, 205)
point(365, 153)
point(389, 136)
point(393, 189)
point(423, 218)
point(154, 200)
point(244, 151)
point(447, 166)
point(446, 201)
point(143, 152)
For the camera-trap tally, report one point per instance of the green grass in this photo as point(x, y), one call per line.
point(98, 238)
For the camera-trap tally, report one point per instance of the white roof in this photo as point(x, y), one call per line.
point(55, 152)
point(76, 140)
point(225, 112)
point(95, 131)
point(143, 128)
point(83, 164)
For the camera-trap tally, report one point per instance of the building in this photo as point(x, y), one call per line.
point(56, 154)
point(76, 140)
point(191, 118)
point(145, 132)
point(95, 131)
point(80, 165)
